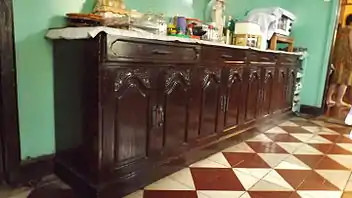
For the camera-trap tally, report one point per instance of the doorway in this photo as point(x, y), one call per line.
point(332, 113)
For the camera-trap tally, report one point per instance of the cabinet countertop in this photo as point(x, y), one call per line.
point(71, 33)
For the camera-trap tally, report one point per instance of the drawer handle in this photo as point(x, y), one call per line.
point(160, 112)
point(161, 52)
point(265, 58)
point(154, 116)
point(226, 56)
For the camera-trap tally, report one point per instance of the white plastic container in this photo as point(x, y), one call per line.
point(348, 119)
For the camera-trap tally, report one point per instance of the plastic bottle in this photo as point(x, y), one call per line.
point(230, 27)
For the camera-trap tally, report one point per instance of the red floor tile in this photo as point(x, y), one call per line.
point(216, 179)
point(329, 164)
point(344, 139)
point(341, 130)
point(169, 194)
point(324, 148)
point(270, 194)
point(245, 160)
point(347, 195)
point(316, 182)
point(266, 147)
point(311, 160)
point(294, 177)
point(295, 195)
point(282, 138)
point(338, 150)
point(304, 123)
point(294, 129)
point(332, 138)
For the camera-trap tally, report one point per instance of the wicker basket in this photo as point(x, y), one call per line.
point(114, 6)
point(247, 40)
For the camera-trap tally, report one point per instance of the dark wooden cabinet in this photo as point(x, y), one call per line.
point(279, 95)
point(172, 108)
point(127, 106)
point(291, 82)
point(211, 102)
point(137, 105)
point(234, 103)
point(268, 82)
point(253, 90)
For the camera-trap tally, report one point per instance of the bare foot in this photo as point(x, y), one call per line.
point(343, 104)
point(330, 103)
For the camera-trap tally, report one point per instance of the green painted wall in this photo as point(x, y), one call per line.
point(313, 29)
point(34, 60)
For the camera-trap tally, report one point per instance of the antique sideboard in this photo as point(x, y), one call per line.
point(128, 110)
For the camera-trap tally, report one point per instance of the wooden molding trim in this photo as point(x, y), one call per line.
point(310, 110)
point(32, 171)
point(9, 131)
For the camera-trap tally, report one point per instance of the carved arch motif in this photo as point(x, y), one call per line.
point(235, 75)
point(269, 74)
point(210, 74)
point(177, 77)
point(136, 78)
point(254, 74)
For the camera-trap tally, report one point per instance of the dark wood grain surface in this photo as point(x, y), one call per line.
point(9, 132)
point(141, 109)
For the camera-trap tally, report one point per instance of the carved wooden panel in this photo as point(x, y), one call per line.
point(128, 108)
point(136, 78)
point(234, 97)
point(175, 106)
point(280, 91)
point(290, 87)
point(253, 88)
point(177, 77)
point(210, 100)
point(267, 90)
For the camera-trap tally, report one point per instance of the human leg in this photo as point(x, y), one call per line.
point(340, 94)
point(331, 92)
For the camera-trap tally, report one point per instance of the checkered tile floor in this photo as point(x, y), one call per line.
point(298, 158)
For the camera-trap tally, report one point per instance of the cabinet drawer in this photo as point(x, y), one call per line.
point(137, 50)
point(287, 59)
point(259, 57)
point(221, 54)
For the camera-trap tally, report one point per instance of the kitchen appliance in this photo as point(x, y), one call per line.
point(284, 23)
point(271, 21)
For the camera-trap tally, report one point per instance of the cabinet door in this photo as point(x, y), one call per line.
point(253, 88)
point(280, 91)
point(126, 114)
point(174, 100)
point(234, 111)
point(210, 100)
point(267, 90)
point(290, 88)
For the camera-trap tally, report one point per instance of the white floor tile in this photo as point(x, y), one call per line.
point(220, 159)
point(338, 178)
point(260, 138)
point(240, 148)
point(220, 194)
point(320, 194)
point(292, 163)
point(207, 164)
point(273, 159)
point(185, 177)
